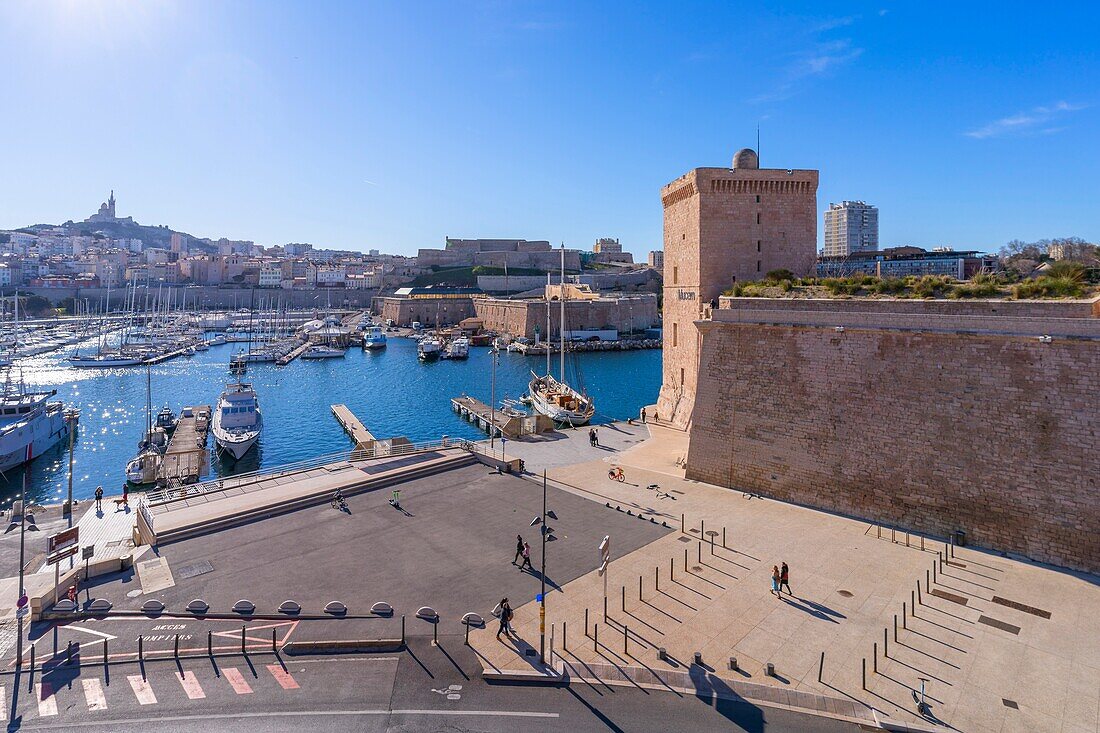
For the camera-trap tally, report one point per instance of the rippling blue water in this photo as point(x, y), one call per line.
point(390, 391)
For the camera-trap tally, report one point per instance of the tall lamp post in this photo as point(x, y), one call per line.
point(493, 354)
point(545, 530)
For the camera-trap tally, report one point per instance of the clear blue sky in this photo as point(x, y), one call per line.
point(392, 125)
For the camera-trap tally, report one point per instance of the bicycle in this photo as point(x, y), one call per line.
point(660, 494)
point(616, 474)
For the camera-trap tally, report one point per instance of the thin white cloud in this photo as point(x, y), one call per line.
point(818, 60)
point(1035, 121)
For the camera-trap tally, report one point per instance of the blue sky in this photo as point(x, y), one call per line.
point(392, 125)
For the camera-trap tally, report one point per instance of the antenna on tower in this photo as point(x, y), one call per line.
point(758, 143)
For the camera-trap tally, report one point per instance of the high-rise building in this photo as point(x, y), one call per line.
point(850, 226)
point(656, 259)
point(724, 226)
point(607, 244)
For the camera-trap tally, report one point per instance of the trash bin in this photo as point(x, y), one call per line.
point(960, 538)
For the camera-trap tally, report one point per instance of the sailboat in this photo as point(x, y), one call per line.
point(554, 397)
point(142, 469)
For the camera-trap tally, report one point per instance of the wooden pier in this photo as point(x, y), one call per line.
point(186, 459)
point(352, 426)
point(512, 427)
point(292, 355)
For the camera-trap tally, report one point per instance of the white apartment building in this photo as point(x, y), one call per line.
point(271, 276)
point(656, 259)
point(330, 276)
point(5, 276)
point(850, 226)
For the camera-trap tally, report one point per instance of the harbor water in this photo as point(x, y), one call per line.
point(389, 390)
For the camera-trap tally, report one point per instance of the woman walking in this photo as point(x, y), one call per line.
point(526, 558)
point(775, 580)
point(505, 619)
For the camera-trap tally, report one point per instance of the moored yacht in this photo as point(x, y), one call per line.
point(237, 422)
point(29, 425)
point(374, 338)
point(321, 351)
point(458, 348)
point(429, 349)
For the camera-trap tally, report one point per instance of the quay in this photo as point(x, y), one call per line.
point(186, 458)
point(352, 426)
point(510, 426)
point(168, 355)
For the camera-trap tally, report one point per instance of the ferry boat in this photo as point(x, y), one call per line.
point(237, 422)
point(374, 338)
point(320, 351)
point(429, 349)
point(29, 425)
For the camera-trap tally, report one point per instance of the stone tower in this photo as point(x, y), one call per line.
point(722, 226)
point(111, 205)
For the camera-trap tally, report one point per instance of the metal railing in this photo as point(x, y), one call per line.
point(378, 449)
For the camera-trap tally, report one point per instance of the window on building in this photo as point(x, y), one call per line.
point(681, 376)
point(758, 245)
point(675, 333)
point(758, 265)
point(675, 275)
point(758, 217)
point(757, 198)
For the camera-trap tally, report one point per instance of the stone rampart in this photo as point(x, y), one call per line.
point(931, 422)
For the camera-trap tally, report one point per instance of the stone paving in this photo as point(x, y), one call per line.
point(1026, 661)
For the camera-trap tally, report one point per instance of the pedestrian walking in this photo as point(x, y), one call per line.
point(775, 580)
point(526, 557)
point(126, 495)
point(505, 619)
point(591, 437)
point(643, 416)
point(519, 549)
point(99, 498)
point(784, 577)
point(595, 437)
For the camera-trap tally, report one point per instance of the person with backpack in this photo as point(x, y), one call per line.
point(526, 558)
point(505, 619)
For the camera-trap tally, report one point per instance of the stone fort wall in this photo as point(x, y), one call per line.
point(933, 417)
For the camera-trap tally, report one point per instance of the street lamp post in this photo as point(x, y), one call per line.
point(22, 561)
point(542, 572)
point(493, 399)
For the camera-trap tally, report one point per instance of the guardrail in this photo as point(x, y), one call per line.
point(378, 449)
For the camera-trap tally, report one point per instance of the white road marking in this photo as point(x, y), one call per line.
point(93, 693)
point(191, 685)
point(142, 691)
point(47, 703)
point(3, 704)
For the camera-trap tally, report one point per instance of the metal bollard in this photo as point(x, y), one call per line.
point(702, 528)
point(210, 643)
point(878, 531)
point(723, 538)
point(904, 613)
point(242, 641)
point(892, 535)
point(906, 538)
point(885, 642)
point(595, 637)
point(275, 644)
point(672, 569)
point(733, 664)
point(69, 653)
point(865, 673)
point(402, 629)
point(626, 639)
point(605, 609)
point(624, 597)
point(922, 543)
point(895, 628)
point(874, 657)
point(176, 647)
point(699, 552)
point(927, 581)
point(104, 651)
point(698, 657)
point(683, 526)
point(435, 633)
point(919, 599)
point(639, 587)
point(564, 648)
point(656, 579)
point(141, 650)
point(586, 623)
point(685, 560)
point(934, 573)
point(821, 667)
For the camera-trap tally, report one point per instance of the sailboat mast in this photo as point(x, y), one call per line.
point(546, 336)
point(148, 400)
point(561, 321)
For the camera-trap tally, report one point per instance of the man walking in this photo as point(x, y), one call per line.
point(505, 618)
point(783, 578)
point(527, 558)
point(99, 498)
point(595, 437)
point(519, 549)
point(643, 416)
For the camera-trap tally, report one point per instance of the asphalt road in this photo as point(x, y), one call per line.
point(426, 688)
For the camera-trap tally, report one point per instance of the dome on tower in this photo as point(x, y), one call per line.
point(746, 158)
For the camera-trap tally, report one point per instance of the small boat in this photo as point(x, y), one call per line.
point(429, 349)
point(106, 360)
point(142, 469)
point(320, 351)
point(218, 340)
point(458, 348)
point(237, 422)
point(166, 419)
point(559, 401)
point(374, 338)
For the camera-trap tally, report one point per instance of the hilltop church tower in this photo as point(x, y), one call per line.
point(725, 226)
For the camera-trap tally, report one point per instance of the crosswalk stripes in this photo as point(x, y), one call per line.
point(142, 690)
point(3, 704)
point(236, 681)
point(93, 693)
point(284, 678)
point(47, 703)
point(190, 685)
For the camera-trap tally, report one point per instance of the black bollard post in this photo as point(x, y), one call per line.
point(435, 633)
point(874, 657)
point(895, 628)
point(656, 579)
point(683, 526)
point(624, 597)
point(821, 667)
point(564, 648)
point(176, 647)
point(865, 673)
point(685, 560)
point(275, 644)
point(639, 587)
point(904, 614)
point(626, 637)
point(210, 643)
point(141, 650)
point(595, 637)
point(402, 629)
point(724, 538)
point(242, 641)
point(105, 652)
point(922, 543)
point(605, 609)
point(919, 599)
point(69, 653)
point(699, 552)
point(927, 580)
point(672, 569)
point(702, 528)
point(886, 643)
point(586, 623)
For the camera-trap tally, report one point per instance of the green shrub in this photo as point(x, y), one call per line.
point(776, 276)
point(1047, 286)
point(785, 286)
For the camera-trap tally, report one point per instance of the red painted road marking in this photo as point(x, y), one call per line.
point(142, 691)
point(3, 704)
point(191, 685)
point(237, 681)
point(47, 703)
point(282, 677)
point(93, 693)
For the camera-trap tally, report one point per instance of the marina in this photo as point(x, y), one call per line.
point(187, 459)
point(386, 388)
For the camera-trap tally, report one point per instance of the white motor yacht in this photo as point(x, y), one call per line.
point(29, 425)
point(320, 351)
point(429, 349)
point(237, 422)
point(458, 348)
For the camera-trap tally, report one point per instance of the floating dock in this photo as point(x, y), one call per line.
point(353, 426)
point(510, 426)
point(186, 459)
point(292, 355)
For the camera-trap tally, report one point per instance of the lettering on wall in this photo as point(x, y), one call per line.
point(685, 294)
